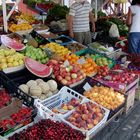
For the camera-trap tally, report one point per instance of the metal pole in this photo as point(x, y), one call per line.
point(4, 16)
point(12, 10)
point(96, 10)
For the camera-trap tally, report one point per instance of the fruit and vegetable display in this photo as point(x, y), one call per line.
point(20, 27)
point(105, 96)
point(58, 12)
point(75, 47)
point(97, 47)
point(28, 18)
point(88, 66)
point(116, 77)
point(16, 118)
point(66, 75)
point(10, 58)
point(86, 116)
point(36, 54)
point(37, 68)
point(39, 88)
point(4, 98)
point(48, 130)
point(56, 48)
point(65, 107)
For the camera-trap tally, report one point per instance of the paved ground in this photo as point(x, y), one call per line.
point(126, 127)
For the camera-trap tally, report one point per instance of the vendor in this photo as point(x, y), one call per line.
point(133, 21)
point(78, 21)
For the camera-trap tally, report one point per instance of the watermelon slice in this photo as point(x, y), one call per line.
point(11, 43)
point(37, 68)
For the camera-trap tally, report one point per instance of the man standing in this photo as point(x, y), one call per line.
point(78, 21)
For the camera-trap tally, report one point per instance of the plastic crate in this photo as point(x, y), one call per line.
point(64, 95)
point(12, 81)
point(92, 82)
point(65, 40)
point(36, 120)
point(96, 128)
point(39, 39)
point(120, 87)
point(19, 125)
point(89, 51)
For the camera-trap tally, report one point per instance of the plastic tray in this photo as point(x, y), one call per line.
point(65, 40)
point(93, 82)
point(89, 51)
point(64, 95)
point(21, 77)
point(37, 37)
point(71, 46)
point(21, 124)
point(12, 89)
point(120, 87)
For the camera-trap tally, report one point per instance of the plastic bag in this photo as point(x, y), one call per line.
point(113, 31)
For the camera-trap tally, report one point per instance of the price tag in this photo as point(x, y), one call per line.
point(87, 56)
point(121, 87)
point(87, 87)
point(124, 59)
point(66, 63)
point(108, 77)
point(81, 61)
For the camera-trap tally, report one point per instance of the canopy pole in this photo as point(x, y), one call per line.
point(4, 16)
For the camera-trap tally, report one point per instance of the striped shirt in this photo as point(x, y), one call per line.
point(80, 12)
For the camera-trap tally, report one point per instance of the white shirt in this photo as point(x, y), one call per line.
point(80, 12)
point(135, 26)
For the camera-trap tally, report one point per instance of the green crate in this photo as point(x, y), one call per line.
point(89, 51)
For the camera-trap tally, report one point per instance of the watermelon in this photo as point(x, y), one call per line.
point(11, 43)
point(37, 68)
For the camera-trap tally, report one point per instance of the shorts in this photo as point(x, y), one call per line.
point(83, 37)
point(134, 42)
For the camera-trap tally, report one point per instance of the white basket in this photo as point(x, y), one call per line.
point(96, 128)
point(64, 95)
point(55, 101)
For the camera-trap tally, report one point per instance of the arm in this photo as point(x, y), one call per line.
point(70, 24)
point(91, 18)
point(129, 17)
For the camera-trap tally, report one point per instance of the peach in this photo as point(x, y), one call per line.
point(55, 110)
point(95, 122)
point(76, 115)
point(84, 117)
point(64, 82)
point(90, 115)
point(83, 124)
point(71, 119)
point(89, 121)
point(70, 107)
point(86, 112)
point(89, 126)
point(79, 120)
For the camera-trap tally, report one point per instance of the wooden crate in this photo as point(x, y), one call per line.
point(130, 99)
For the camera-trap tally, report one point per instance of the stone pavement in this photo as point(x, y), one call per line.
point(126, 127)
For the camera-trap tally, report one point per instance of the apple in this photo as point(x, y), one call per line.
point(74, 75)
point(64, 82)
point(68, 78)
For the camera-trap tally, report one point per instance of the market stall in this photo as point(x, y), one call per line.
point(54, 87)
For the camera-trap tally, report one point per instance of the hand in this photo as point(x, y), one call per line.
point(93, 27)
point(71, 34)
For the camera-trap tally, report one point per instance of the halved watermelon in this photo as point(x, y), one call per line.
point(37, 68)
point(11, 43)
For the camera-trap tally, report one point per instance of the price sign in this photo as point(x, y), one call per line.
point(87, 87)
